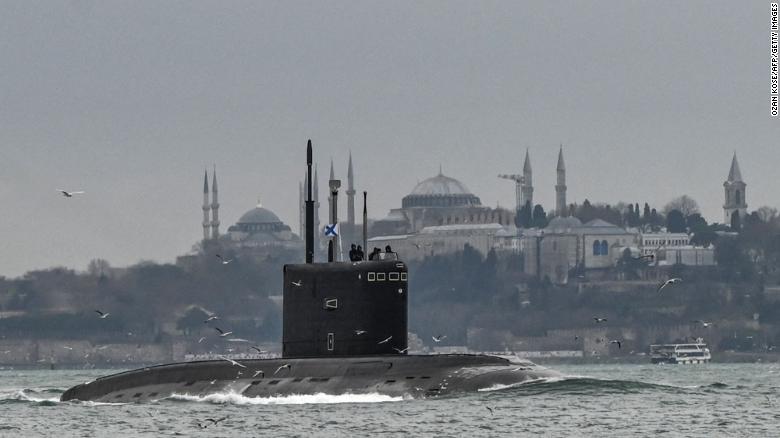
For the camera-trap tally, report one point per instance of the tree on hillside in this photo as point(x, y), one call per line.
point(685, 204)
point(539, 217)
point(675, 222)
point(646, 214)
point(524, 216)
point(655, 220)
point(99, 268)
point(767, 214)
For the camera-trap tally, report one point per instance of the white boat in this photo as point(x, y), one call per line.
point(680, 353)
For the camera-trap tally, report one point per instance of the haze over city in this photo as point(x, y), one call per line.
point(129, 102)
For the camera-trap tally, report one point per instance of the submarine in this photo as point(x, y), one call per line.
point(344, 331)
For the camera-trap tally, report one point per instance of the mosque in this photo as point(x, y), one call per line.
point(259, 230)
point(566, 245)
point(440, 215)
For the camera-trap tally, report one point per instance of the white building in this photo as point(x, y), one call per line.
point(566, 243)
point(675, 248)
point(448, 239)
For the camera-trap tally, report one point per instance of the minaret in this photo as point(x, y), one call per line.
point(206, 206)
point(214, 206)
point(330, 199)
point(735, 193)
point(560, 187)
point(527, 190)
point(316, 195)
point(350, 195)
point(302, 207)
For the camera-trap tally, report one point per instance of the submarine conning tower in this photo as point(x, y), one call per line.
point(350, 308)
point(344, 308)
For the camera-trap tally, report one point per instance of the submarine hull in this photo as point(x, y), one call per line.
point(394, 375)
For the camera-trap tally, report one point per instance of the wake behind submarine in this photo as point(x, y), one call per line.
point(344, 332)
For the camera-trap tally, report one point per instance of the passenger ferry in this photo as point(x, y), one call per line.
point(680, 353)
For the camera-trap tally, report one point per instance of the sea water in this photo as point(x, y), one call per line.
point(592, 400)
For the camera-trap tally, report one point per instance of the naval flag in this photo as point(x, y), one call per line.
point(331, 230)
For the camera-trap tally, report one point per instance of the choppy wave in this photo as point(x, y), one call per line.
point(294, 399)
point(42, 397)
point(578, 385)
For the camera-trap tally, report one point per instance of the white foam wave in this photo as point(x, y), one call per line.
point(502, 386)
point(294, 399)
point(25, 395)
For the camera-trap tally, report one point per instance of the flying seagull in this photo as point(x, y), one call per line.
point(615, 341)
point(68, 194)
point(439, 338)
point(258, 350)
point(258, 372)
point(211, 318)
point(287, 365)
point(401, 351)
point(298, 283)
point(224, 261)
point(231, 361)
point(360, 332)
point(704, 324)
point(668, 282)
point(489, 409)
point(201, 339)
point(222, 334)
point(67, 348)
point(598, 320)
point(102, 315)
point(384, 341)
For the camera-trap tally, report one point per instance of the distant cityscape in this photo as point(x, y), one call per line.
point(440, 215)
point(578, 282)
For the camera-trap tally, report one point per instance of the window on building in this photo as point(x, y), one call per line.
point(372, 276)
point(739, 197)
point(596, 248)
point(393, 276)
point(604, 248)
point(380, 276)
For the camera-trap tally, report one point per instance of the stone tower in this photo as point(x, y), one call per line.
point(214, 206)
point(527, 190)
point(206, 205)
point(302, 207)
point(330, 198)
point(350, 194)
point(316, 195)
point(735, 193)
point(560, 186)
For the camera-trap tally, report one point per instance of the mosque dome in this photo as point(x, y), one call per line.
point(259, 215)
point(440, 185)
point(440, 191)
point(259, 220)
point(561, 224)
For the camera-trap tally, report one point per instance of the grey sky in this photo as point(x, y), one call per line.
point(130, 100)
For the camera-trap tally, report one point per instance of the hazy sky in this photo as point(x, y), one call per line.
point(130, 100)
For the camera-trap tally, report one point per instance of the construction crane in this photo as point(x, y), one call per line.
point(519, 181)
